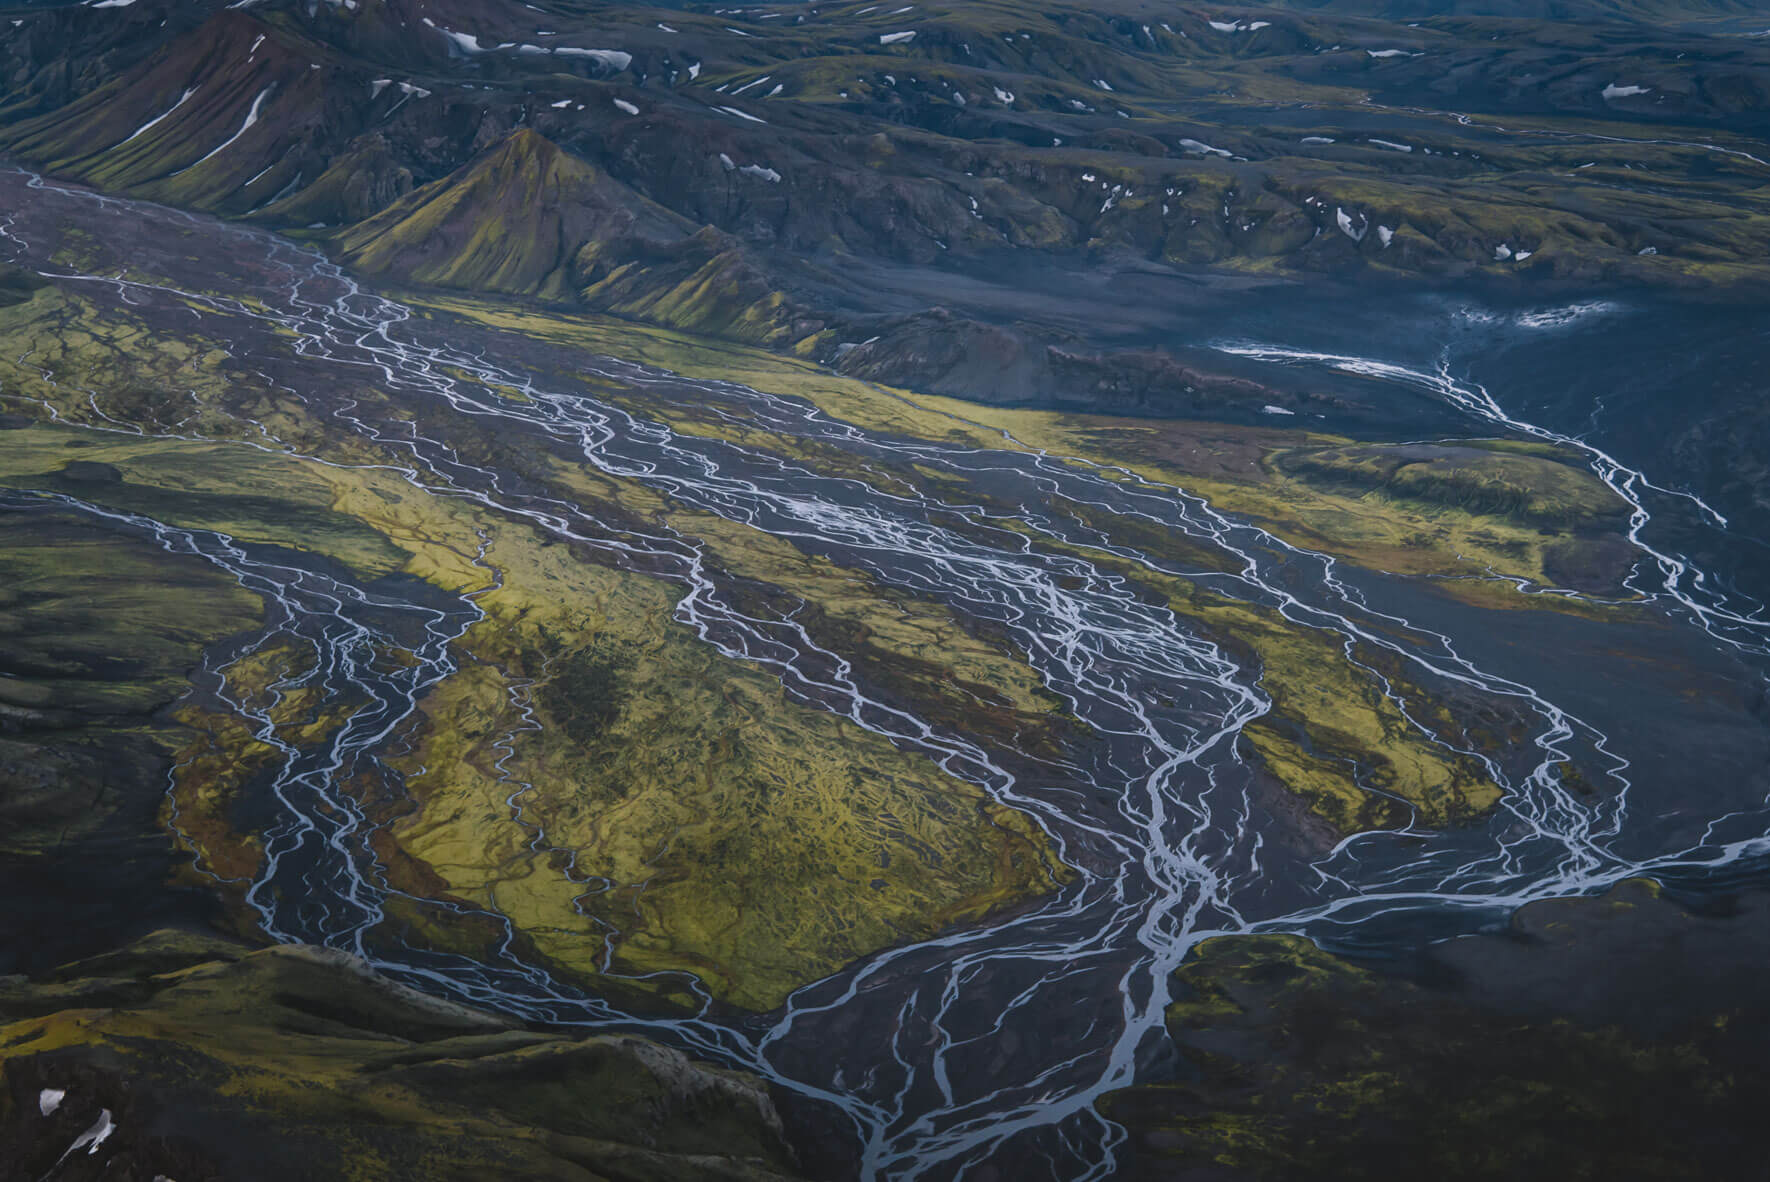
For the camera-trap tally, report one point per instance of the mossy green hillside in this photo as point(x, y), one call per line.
point(206, 1053)
point(512, 221)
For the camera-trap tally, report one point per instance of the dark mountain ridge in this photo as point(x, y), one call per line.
point(727, 169)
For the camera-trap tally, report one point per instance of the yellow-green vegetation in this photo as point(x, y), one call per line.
point(1461, 513)
point(205, 1054)
point(251, 495)
point(705, 786)
point(105, 369)
point(1482, 511)
point(1333, 736)
point(714, 824)
point(1526, 486)
point(660, 789)
point(940, 657)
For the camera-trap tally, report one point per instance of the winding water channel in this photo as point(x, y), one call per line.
point(945, 1053)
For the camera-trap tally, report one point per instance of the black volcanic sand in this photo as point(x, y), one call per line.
point(98, 891)
point(1694, 723)
point(1621, 1037)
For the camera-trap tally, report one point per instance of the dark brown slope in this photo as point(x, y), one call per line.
point(222, 119)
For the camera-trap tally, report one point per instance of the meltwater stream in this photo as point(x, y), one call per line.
point(990, 1043)
point(1725, 614)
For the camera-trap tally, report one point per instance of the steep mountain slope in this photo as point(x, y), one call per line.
point(224, 119)
point(511, 221)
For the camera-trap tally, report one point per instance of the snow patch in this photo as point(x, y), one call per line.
point(49, 1099)
point(181, 101)
point(615, 59)
point(251, 118)
point(767, 174)
point(1614, 91)
point(1270, 409)
point(626, 106)
point(93, 1137)
point(740, 114)
point(1392, 145)
point(895, 38)
point(465, 42)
